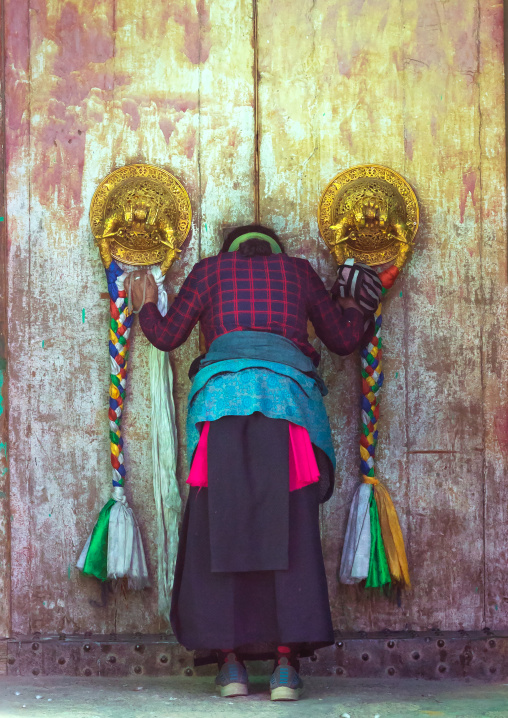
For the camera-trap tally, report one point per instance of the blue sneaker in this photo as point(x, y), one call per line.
point(285, 683)
point(232, 678)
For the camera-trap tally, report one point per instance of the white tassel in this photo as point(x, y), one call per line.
point(138, 571)
point(82, 558)
point(126, 557)
point(355, 562)
point(168, 502)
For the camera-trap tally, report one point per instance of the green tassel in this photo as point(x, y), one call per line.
point(379, 574)
point(96, 562)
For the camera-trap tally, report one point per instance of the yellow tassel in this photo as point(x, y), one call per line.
point(392, 536)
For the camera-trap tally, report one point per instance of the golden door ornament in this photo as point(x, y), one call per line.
point(140, 215)
point(370, 213)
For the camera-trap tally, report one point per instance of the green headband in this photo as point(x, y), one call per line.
point(258, 235)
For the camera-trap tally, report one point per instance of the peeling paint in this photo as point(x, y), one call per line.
point(501, 428)
point(469, 184)
point(418, 105)
point(1, 395)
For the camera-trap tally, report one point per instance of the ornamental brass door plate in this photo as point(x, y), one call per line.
point(138, 212)
point(370, 213)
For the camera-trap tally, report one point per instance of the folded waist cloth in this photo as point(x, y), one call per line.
point(266, 346)
point(247, 384)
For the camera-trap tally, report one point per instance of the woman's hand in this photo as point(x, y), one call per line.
point(349, 303)
point(358, 286)
point(141, 283)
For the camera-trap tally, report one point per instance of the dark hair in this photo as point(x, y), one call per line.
point(255, 248)
point(251, 247)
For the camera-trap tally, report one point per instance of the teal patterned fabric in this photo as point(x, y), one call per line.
point(238, 387)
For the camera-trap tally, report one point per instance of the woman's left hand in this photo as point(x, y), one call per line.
point(141, 282)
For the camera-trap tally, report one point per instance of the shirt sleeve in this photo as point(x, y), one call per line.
point(340, 330)
point(169, 332)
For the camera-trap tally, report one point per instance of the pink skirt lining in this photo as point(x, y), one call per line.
point(303, 468)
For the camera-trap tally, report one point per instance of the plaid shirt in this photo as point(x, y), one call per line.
point(277, 293)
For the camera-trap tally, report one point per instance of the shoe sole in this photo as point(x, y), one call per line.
point(233, 689)
point(283, 693)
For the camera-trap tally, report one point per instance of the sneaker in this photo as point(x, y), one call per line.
point(232, 678)
point(285, 683)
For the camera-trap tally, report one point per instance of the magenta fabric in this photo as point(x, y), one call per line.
point(303, 468)
point(198, 475)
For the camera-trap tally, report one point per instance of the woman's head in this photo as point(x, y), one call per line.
point(254, 246)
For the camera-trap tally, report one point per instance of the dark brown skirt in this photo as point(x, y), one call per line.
point(251, 611)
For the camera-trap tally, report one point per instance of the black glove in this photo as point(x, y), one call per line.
point(359, 282)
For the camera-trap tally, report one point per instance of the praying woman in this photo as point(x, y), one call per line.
point(250, 581)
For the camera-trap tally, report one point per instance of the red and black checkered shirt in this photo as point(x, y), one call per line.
point(277, 293)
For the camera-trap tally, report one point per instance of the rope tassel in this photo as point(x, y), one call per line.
point(114, 549)
point(374, 545)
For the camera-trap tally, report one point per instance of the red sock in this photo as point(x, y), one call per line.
point(286, 652)
point(223, 653)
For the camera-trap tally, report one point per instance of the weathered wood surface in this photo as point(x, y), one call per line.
point(494, 336)
point(110, 84)
point(402, 85)
point(418, 87)
point(5, 543)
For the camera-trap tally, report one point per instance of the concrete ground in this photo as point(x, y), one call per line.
point(195, 696)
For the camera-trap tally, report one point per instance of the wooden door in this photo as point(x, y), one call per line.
point(255, 106)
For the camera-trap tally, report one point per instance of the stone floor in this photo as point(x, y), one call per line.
point(195, 696)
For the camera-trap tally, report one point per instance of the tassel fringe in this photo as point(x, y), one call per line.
point(114, 549)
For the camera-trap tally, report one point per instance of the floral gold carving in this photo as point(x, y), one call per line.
point(140, 215)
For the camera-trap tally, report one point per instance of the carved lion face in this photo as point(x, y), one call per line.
point(140, 214)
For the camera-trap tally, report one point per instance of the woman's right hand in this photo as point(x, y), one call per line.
point(140, 284)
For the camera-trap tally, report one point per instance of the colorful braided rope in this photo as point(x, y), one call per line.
point(378, 554)
point(120, 326)
point(372, 381)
